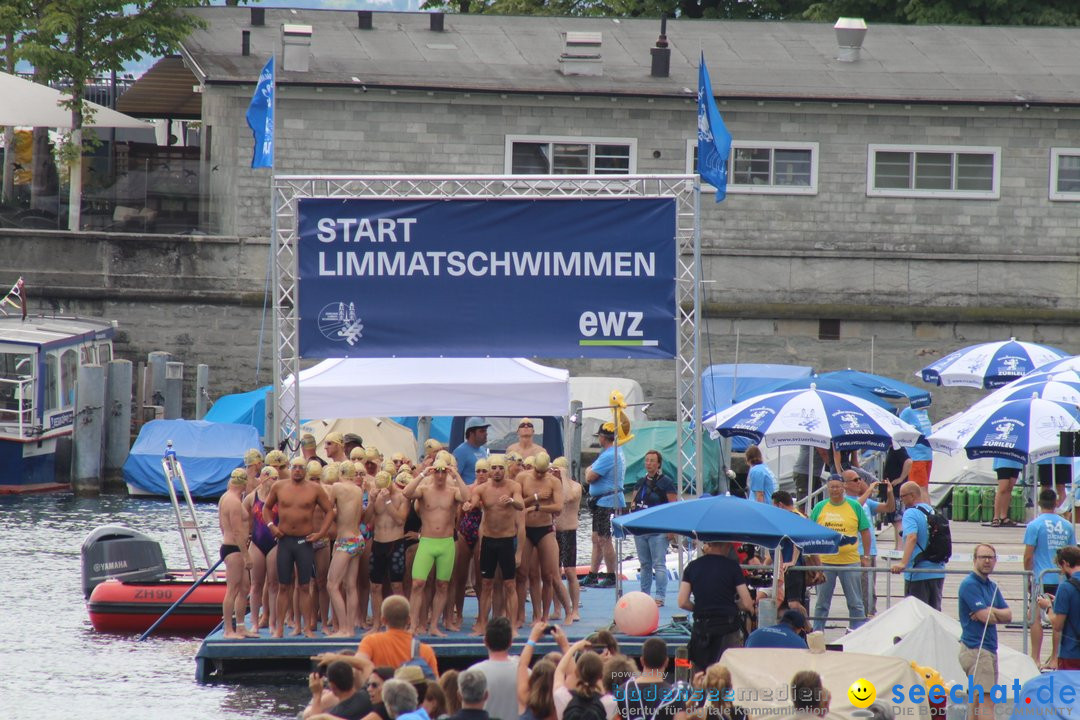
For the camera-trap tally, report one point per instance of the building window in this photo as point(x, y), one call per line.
point(531, 155)
point(933, 171)
point(766, 167)
point(1065, 173)
point(828, 329)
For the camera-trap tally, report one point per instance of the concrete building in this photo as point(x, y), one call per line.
point(883, 209)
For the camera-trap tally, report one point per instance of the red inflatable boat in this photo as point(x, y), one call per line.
point(132, 607)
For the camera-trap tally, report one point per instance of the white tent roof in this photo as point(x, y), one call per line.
point(760, 678)
point(930, 638)
point(30, 104)
point(432, 386)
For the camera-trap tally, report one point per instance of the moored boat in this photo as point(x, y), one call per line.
point(39, 361)
point(127, 587)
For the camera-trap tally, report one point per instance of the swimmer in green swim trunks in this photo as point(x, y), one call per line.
point(440, 491)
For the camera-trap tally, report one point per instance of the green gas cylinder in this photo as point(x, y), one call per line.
point(987, 504)
point(959, 503)
point(974, 504)
point(1016, 505)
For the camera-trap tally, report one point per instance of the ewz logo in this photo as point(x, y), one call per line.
point(620, 328)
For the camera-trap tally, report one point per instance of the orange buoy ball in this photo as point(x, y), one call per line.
point(636, 614)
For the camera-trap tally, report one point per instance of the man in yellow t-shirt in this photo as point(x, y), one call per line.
point(847, 517)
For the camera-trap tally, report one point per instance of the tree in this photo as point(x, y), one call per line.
point(723, 9)
point(14, 15)
point(75, 41)
point(952, 12)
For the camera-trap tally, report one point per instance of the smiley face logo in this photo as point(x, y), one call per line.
point(862, 693)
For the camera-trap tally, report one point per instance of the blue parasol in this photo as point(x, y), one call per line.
point(990, 365)
point(724, 518)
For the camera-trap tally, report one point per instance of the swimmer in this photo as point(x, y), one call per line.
point(234, 520)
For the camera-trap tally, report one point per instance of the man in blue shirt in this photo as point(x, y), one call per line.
point(982, 608)
point(605, 478)
point(1066, 614)
point(925, 586)
point(790, 632)
point(760, 482)
point(473, 449)
point(1043, 537)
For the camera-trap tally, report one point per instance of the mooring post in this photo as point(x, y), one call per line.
point(202, 391)
point(117, 420)
point(174, 390)
point(88, 431)
point(156, 361)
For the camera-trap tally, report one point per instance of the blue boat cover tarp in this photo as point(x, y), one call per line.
point(723, 385)
point(440, 426)
point(208, 452)
point(247, 408)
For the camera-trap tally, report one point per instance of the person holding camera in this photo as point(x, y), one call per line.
point(654, 489)
point(337, 677)
point(870, 497)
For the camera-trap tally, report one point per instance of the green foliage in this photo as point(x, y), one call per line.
point(726, 9)
point(951, 12)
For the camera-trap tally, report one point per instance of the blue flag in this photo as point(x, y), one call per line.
point(260, 117)
point(713, 138)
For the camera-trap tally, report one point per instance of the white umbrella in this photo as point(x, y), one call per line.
point(989, 365)
point(1021, 430)
point(30, 104)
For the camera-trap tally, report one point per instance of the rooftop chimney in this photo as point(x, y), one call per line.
point(437, 20)
point(661, 54)
point(581, 54)
point(258, 16)
point(245, 42)
point(849, 36)
point(363, 18)
point(295, 47)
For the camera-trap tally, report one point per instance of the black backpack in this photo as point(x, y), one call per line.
point(939, 539)
point(584, 707)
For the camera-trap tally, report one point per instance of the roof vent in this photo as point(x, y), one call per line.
point(295, 47)
point(258, 16)
point(849, 36)
point(661, 54)
point(581, 54)
point(245, 42)
point(364, 19)
point(437, 20)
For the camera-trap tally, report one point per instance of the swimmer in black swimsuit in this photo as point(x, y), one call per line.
point(227, 550)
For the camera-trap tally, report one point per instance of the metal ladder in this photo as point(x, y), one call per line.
point(189, 527)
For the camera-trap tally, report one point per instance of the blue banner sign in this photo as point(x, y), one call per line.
point(487, 278)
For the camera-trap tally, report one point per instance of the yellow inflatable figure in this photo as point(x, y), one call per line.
point(622, 423)
point(930, 676)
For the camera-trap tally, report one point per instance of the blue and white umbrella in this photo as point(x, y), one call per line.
point(814, 417)
point(1025, 431)
point(1064, 391)
point(1060, 365)
point(989, 365)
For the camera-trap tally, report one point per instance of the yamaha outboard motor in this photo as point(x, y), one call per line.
point(112, 551)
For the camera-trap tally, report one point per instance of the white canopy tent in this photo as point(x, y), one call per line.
point(378, 387)
point(30, 104)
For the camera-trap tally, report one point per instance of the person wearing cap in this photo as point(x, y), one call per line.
point(234, 520)
point(387, 510)
point(295, 500)
point(352, 441)
point(372, 460)
point(790, 632)
point(514, 464)
point(525, 447)
point(308, 448)
point(465, 554)
point(500, 499)
point(335, 447)
point(431, 447)
point(263, 544)
point(542, 492)
point(326, 476)
point(348, 501)
point(253, 464)
point(566, 527)
point(605, 477)
point(439, 491)
point(473, 448)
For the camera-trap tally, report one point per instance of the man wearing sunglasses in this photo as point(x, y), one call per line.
point(525, 447)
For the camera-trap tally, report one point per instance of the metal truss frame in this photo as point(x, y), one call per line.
point(288, 189)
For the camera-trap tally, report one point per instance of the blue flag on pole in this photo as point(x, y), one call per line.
point(714, 140)
point(260, 117)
